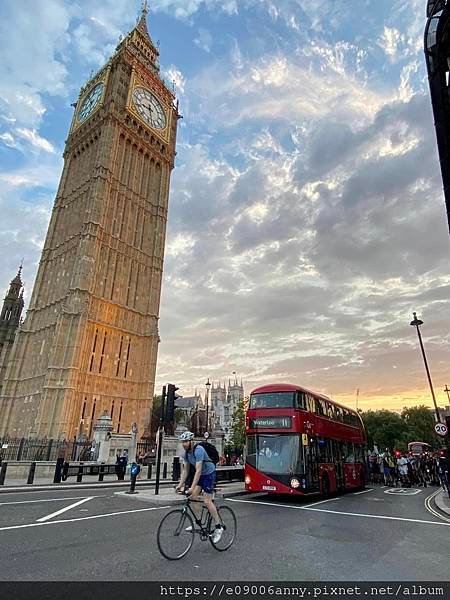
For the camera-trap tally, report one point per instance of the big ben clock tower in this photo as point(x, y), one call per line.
point(89, 341)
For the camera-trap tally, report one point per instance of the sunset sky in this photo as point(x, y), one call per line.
point(306, 217)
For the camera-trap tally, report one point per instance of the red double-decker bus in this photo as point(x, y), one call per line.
point(301, 442)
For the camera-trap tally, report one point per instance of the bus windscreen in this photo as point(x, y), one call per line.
point(273, 400)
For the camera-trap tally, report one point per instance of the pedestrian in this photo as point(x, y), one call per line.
point(121, 465)
point(402, 466)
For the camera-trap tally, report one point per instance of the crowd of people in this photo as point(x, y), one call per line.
point(407, 469)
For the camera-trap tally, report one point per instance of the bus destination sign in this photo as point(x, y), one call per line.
point(271, 422)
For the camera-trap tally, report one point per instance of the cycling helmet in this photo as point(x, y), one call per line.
point(186, 436)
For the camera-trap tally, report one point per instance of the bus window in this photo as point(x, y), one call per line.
point(301, 402)
point(272, 400)
point(273, 453)
point(310, 403)
point(319, 407)
point(324, 447)
point(349, 454)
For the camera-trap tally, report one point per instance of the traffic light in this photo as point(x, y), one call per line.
point(169, 415)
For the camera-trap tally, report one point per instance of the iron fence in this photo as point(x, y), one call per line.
point(34, 449)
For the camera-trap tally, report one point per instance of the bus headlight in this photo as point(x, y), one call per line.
point(295, 483)
point(247, 479)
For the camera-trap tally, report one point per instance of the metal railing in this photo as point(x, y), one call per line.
point(26, 449)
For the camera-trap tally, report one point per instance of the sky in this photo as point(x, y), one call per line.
point(306, 217)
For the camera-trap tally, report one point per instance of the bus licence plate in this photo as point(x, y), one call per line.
point(269, 487)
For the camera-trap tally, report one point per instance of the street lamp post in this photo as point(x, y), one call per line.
point(448, 392)
point(207, 385)
point(416, 323)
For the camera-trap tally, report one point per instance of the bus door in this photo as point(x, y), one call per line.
point(338, 460)
point(312, 464)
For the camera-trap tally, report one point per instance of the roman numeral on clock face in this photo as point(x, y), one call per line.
point(149, 108)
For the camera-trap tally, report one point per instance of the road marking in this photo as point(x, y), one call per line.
point(321, 502)
point(123, 512)
point(339, 512)
point(48, 500)
point(363, 492)
point(402, 491)
point(65, 509)
point(430, 509)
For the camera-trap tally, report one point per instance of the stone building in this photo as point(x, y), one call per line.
point(224, 401)
point(10, 321)
point(90, 338)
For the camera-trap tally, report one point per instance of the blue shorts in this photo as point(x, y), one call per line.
point(207, 482)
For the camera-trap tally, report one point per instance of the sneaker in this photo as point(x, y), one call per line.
point(190, 528)
point(215, 537)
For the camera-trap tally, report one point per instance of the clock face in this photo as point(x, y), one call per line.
point(149, 108)
point(90, 101)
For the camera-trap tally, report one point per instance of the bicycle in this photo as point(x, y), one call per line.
point(177, 529)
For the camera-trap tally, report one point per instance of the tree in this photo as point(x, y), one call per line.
point(156, 417)
point(385, 429)
point(420, 424)
point(238, 427)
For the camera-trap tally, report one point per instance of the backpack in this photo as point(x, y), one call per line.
point(210, 450)
point(212, 453)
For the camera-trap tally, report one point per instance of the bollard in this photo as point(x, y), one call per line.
point(164, 471)
point(31, 473)
point(20, 451)
point(176, 470)
point(3, 472)
point(101, 472)
point(58, 470)
point(80, 473)
point(149, 472)
point(65, 471)
point(134, 472)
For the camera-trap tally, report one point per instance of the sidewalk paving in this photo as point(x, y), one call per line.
point(18, 485)
point(443, 501)
point(168, 497)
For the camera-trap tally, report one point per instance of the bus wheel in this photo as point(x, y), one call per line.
point(325, 486)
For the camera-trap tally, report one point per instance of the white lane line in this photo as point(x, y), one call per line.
point(65, 509)
point(339, 512)
point(49, 500)
point(123, 512)
point(321, 502)
point(363, 492)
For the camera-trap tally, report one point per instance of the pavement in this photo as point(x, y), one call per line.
point(168, 497)
point(442, 501)
point(47, 484)
point(379, 534)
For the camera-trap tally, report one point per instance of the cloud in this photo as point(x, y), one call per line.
point(204, 40)
point(35, 139)
point(306, 219)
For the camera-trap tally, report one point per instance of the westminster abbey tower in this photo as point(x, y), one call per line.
point(90, 338)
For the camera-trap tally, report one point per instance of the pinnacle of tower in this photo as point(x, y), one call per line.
point(142, 24)
point(18, 279)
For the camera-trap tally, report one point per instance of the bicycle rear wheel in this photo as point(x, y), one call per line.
point(229, 524)
point(175, 534)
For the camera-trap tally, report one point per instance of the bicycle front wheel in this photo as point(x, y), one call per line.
point(229, 524)
point(175, 534)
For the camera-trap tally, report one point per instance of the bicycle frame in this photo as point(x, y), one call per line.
point(204, 521)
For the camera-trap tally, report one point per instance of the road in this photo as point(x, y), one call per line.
point(372, 535)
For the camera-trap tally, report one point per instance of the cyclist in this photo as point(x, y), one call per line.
point(204, 479)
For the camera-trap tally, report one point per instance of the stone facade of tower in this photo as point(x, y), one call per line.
point(90, 338)
point(224, 401)
point(10, 321)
